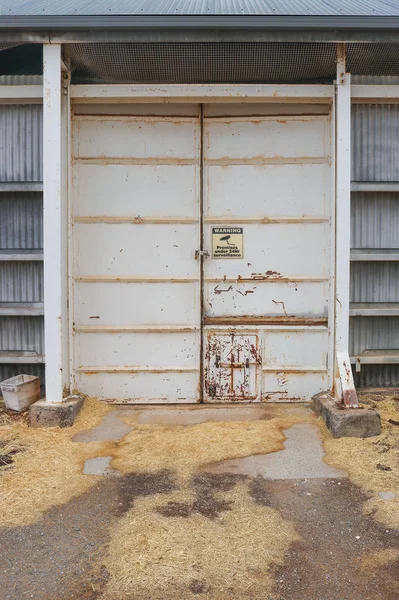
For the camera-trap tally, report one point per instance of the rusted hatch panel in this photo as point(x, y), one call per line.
point(231, 367)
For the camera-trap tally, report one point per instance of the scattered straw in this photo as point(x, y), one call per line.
point(158, 557)
point(47, 470)
point(378, 559)
point(372, 463)
point(184, 449)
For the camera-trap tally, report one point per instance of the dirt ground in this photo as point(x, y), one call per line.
point(165, 528)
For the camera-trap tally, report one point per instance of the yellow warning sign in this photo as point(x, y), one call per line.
point(227, 242)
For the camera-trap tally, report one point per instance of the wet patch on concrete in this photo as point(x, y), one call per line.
point(335, 539)
point(61, 557)
point(205, 503)
point(111, 429)
point(134, 485)
point(302, 458)
point(100, 466)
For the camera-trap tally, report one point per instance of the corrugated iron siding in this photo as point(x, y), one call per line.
point(22, 333)
point(375, 282)
point(375, 224)
point(21, 227)
point(375, 220)
point(21, 149)
point(21, 282)
point(21, 220)
point(21, 79)
point(375, 142)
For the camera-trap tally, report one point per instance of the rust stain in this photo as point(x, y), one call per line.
point(265, 320)
point(263, 276)
point(217, 290)
point(282, 304)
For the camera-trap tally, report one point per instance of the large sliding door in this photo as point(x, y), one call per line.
point(202, 233)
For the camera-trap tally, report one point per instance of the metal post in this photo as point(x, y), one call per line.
point(53, 235)
point(344, 382)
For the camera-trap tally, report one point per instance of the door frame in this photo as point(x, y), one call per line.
point(198, 94)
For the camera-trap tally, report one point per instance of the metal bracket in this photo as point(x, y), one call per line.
point(203, 253)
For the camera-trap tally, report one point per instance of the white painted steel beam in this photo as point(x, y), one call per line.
point(345, 388)
point(375, 93)
point(343, 191)
point(16, 94)
point(52, 199)
point(201, 93)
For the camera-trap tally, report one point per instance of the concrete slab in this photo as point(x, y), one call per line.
point(100, 466)
point(195, 414)
point(347, 422)
point(111, 429)
point(302, 458)
point(57, 414)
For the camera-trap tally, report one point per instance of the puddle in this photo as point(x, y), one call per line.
point(302, 458)
point(387, 495)
point(100, 466)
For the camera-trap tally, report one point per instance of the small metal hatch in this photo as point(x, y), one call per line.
point(231, 365)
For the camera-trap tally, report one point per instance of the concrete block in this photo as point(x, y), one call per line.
point(347, 422)
point(62, 414)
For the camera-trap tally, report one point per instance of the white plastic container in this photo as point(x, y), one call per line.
point(20, 392)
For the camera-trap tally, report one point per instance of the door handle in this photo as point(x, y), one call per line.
point(203, 253)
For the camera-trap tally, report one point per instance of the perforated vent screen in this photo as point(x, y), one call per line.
point(244, 62)
point(225, 62)
point(373, 59)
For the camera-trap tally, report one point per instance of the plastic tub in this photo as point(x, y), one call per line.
point(20, 392)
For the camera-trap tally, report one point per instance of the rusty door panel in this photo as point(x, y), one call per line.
point(231, 367)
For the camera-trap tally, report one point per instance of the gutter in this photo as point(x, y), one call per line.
point(44, 23)
point(197, 28)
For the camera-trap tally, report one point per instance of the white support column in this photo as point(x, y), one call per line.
point(53, 228)
point(346, 392)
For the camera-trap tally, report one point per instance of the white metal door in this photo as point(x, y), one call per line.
point(267, 228)
point(257, 310)
point(135, 276)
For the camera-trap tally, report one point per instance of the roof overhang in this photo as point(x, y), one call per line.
point(189, 28)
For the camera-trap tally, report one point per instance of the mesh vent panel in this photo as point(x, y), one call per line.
point(252, 62)
point(373, 59)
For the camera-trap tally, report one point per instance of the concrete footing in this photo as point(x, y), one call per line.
point(62, 414)
point(347, 422)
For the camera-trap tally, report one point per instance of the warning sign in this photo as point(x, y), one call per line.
point(227, 242)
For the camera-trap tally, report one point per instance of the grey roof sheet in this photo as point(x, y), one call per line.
point(382, 8)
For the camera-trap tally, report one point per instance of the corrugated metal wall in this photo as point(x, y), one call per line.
point(21, 240)
point(375, 226)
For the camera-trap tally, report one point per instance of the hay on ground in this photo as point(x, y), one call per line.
point(184, 449)
point(48, 469)
point(372, 463)
point(162, 557)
